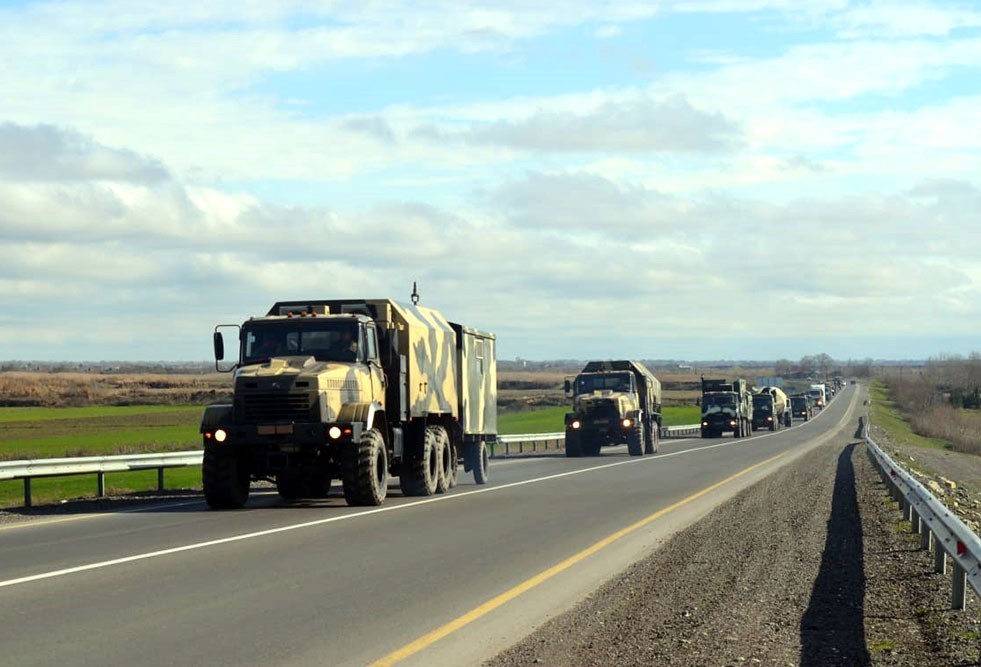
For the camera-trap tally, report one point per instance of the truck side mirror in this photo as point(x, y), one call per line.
point(219, 346)
point(698, 401)
point(568, 386)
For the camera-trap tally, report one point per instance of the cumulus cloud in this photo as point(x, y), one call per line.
point(49, 153)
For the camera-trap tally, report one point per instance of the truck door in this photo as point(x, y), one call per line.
point(377, 375)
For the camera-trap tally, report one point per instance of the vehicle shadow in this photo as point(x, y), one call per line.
point(832, 631)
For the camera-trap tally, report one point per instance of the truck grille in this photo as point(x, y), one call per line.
point(274, 406)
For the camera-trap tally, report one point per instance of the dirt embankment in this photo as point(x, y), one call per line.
point(811, 567)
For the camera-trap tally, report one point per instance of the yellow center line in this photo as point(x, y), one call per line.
point(439, 633)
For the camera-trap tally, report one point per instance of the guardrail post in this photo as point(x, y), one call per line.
point(100, 484)
point(160, 479)
point(939, 558)
point(926, 536)
point(907, 510)
point(27, 492)
point(957, 597)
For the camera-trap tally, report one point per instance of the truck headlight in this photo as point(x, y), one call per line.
point(627, 423)
point(221, 435)
point(576, 424)
point(334, 432)
point(732, 422)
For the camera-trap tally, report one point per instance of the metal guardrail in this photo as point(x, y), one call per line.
point(100, 465)
point(936, 525)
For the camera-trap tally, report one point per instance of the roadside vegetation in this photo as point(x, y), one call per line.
point(932, 401)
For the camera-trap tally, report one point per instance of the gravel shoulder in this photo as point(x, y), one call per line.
point(811, 566)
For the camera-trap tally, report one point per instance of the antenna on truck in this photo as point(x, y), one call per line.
point(415, 294)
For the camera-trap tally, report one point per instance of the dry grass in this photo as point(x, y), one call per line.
point(920, 399)
point(23, 388)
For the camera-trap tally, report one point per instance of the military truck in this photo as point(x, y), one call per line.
point(800, 406)
point(726, 406)
point(613, 402)
point(356, 390)
point(771, 408)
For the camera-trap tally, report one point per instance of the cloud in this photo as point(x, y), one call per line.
point(49, 153)
point(630, 126)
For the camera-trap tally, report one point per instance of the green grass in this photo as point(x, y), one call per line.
point(886, 416)
point(551, 420)
point(883, 646)
point(11, 415)
point(28, 433)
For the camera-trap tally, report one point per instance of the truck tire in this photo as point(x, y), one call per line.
point(225, 479)
point(653, 439)
point(635, 439)
point(573, 444)
point(444, 454)
point(364, 470)
point(420, 473)
point(481, 468)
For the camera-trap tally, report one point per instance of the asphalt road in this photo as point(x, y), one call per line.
point(448, 580)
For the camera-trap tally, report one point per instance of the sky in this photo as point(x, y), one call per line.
point(683, 179)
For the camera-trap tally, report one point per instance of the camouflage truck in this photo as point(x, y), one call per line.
point(355, 390)
point(771, 408)
point(726, 406)
point(613, 402)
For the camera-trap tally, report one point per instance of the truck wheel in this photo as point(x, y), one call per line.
point(635, 440)
point(225, 479)
point(653, 439)
point(420, 473)
point(481, 462)
point(444, 454)
point(364, 470)
point(573, 444)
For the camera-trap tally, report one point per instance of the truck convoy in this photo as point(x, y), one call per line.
point(355, 390)
point(771, 408)
point(726, 406)
point(613, 402)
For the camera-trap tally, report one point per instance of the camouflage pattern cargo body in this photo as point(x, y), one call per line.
point(355, 390)
point(613, 402)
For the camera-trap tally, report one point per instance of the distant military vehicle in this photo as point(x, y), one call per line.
point(726, 406)
point(771, 408)
point(355, 390)
point(800, 406)
point(819, 393)
point(613, 402)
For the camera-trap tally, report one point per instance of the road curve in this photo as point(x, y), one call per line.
point(445, 580)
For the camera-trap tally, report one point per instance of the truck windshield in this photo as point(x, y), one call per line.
point(324, 340)
point(715, 402)
point(587, 384)
point(763, 403)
